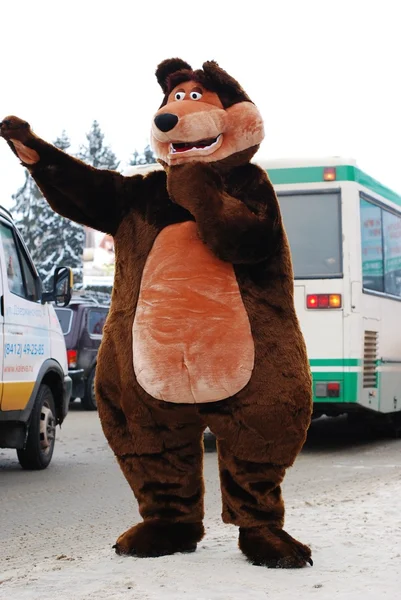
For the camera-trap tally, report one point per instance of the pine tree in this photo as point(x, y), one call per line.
point(147, 157)
point(63, 142)
point(51, 239)
point(28, 204)
point(135, 158)
point(95, 152)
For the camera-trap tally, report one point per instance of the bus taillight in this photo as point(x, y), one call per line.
point(331, 389)
point(323, 301)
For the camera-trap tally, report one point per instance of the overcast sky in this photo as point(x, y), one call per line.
point(325, 75)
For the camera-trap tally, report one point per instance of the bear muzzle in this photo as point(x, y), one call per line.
point(186, 128)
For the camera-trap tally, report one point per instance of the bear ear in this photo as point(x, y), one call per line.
point(168, 67)
point(227, 88)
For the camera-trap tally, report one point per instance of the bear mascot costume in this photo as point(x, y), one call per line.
point(202, 330)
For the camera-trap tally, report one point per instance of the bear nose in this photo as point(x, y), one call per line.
point(166, 121)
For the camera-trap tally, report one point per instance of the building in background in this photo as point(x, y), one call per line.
point(98, 259)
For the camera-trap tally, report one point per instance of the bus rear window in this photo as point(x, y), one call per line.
point(313, 225)
point(65, 318)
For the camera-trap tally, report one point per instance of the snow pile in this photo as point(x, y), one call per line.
point(355, 542)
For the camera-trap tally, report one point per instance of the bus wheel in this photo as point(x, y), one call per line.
point(388, 424)
point(39, 447)
point(356, 419)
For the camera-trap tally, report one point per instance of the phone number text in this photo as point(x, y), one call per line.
point(24, 349)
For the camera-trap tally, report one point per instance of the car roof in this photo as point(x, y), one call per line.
point(76, 305)
point(88, 300)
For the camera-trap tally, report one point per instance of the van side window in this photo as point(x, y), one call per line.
point(21, 280)
point(96, 321)
point(30, 278)
point(13, 266)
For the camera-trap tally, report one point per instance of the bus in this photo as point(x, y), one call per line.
point(344, 230)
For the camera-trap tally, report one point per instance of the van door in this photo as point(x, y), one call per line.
point(1, 330)
point(25, 327)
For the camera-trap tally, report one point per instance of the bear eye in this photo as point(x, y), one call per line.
point(195, 95)
point(179, 95)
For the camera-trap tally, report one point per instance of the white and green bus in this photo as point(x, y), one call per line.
point(344, 230)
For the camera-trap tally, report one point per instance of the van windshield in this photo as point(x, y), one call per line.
point(65, 318)
point(313, 225)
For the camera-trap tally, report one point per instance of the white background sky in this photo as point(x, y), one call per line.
point(325, 75)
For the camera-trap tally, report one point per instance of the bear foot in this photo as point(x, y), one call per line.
point(272, 547)
point(159, 538)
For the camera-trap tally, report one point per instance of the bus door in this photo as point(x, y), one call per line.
point(312, 220)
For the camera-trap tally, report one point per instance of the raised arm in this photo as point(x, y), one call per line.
point(94, 197)
point(237, 214)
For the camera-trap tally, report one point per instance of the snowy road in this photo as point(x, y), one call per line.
point(343, 497)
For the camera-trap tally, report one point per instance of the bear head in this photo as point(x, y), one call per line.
point(205, 116)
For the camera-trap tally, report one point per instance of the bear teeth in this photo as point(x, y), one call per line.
point(179, 147)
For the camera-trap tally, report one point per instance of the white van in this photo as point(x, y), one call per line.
point(35, 387)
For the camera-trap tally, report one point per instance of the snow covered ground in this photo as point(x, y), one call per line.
point(343, 498)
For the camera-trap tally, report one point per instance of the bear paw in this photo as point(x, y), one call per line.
point(19, 136)
point(159, 538)
point(274, 548)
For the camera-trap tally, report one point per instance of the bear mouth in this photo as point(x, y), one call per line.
point(180, 147)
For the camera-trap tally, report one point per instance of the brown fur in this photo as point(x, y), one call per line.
point(158, 444)
point(272, 547)
point(159, 538)
point(172, 72)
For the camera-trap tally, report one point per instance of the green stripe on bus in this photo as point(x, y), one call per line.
point(343, 173)
point(348, 389)
point(334, 362)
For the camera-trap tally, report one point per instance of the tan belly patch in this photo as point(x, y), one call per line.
point(192, 340)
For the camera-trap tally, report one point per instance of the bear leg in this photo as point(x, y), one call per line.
point(256, 445)
point(161, 457)
point(252, 499)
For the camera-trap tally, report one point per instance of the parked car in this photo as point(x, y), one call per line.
point(35, 387)
point(82, 324)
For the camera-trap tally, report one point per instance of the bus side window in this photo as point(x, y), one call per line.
point(392, 253)
point(372, 246)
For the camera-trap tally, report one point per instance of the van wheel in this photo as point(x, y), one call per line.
point(88, 402)
point(39, 447)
